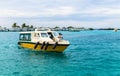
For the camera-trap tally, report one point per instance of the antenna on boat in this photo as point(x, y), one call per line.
point(36, 29)
point(115, 30)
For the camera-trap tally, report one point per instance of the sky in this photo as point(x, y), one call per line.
point(50, 13)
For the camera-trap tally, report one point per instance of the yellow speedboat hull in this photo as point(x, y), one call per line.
point(40, 47)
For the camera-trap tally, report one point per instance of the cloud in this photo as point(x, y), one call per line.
point(30, 8)
point(50, 12)
point(60, 11)
point(101, 11)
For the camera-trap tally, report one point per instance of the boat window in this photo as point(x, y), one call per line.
point(50, 35)
point(55, 34)
point(25, 37)
point(44, 35)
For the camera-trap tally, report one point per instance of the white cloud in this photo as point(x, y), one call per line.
point(66, 9)
point(60, 11)
point(45, 8)
point(48, 12)
point(10, 13)
point(100, 12)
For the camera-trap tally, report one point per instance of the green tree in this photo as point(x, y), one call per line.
point(56, 27)
point(70, 27)
point(31, 26)
point(14, 25)
point(23, 25)
point(91, 29)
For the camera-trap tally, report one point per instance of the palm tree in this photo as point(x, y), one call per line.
point(23, 25)
point(14, 25)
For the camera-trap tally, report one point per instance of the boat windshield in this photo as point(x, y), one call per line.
point(44, 35)
point(55, 34)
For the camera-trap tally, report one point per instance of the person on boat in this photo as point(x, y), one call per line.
point(36, 35)
point(60, 36)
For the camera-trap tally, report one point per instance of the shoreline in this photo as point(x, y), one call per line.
point(58, 30)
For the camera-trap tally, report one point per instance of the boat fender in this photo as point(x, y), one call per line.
point(43, 45)
point(36, 45)
point(55, 45)
point(46, 46)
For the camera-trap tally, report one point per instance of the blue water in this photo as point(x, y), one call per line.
point(91, 53)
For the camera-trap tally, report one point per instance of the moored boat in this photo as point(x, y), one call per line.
point(115, 30)
point(43, 41)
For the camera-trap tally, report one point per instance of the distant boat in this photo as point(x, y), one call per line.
point(115, 30)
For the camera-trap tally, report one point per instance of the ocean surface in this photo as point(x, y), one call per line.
point(91, 53)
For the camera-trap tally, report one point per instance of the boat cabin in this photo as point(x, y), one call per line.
point(40, 36)
point(43, 40)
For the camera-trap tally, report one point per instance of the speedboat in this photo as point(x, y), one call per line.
point(50, 41)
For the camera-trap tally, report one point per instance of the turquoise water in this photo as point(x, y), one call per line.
point(91, 53)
